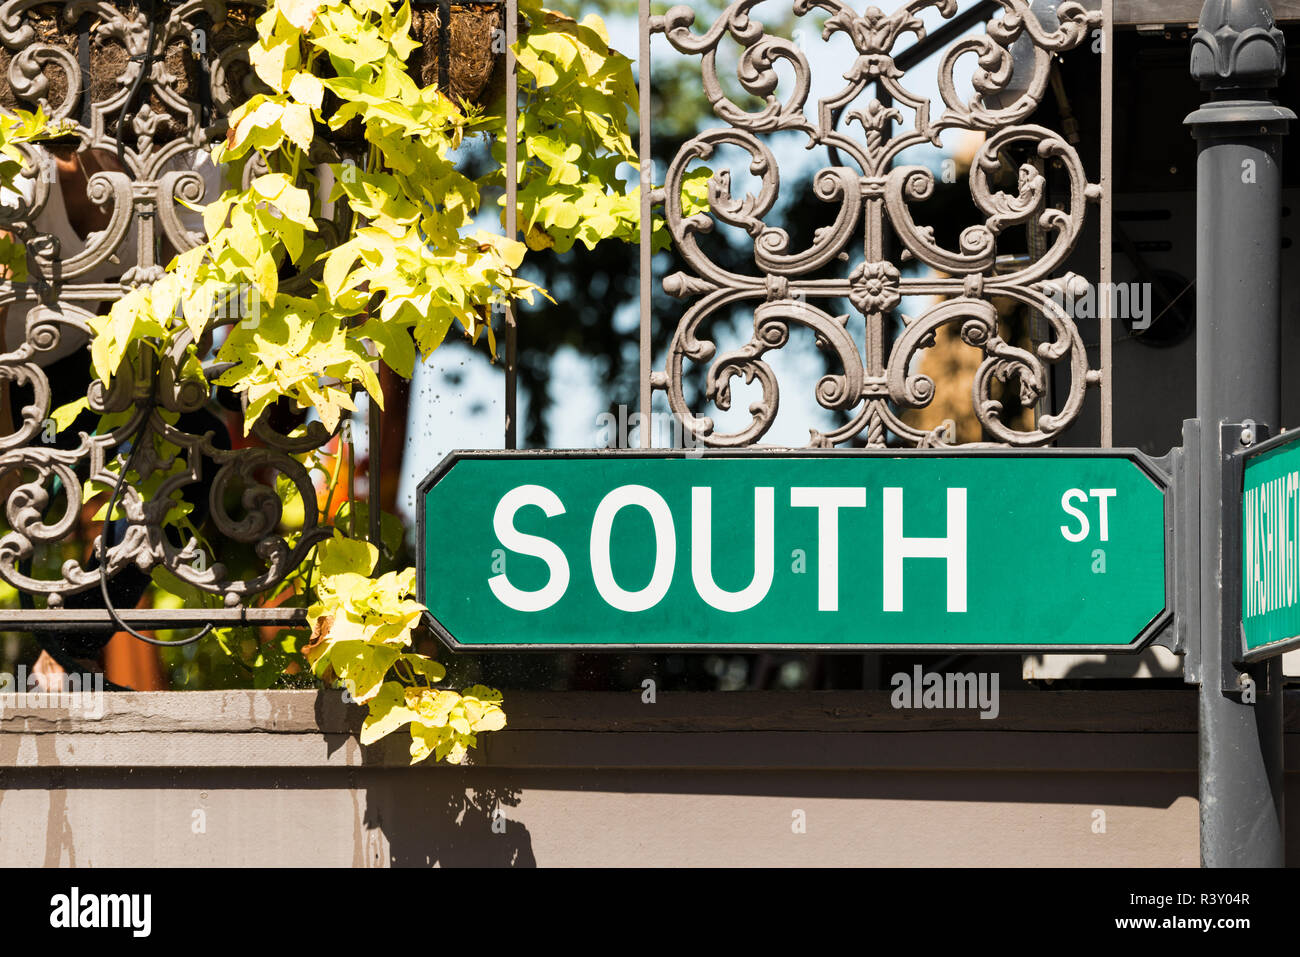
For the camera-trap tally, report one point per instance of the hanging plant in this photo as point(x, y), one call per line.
point(350, 259)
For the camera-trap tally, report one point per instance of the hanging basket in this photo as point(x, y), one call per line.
point(474, 64)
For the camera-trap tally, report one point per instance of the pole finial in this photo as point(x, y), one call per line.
point(1238, 46)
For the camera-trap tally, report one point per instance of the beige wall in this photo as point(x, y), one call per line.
point(271, 778)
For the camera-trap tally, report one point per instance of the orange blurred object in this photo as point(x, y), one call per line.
point(130, 662)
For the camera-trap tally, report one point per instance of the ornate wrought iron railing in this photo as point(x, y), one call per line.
point(874, 196)
point(146, 88)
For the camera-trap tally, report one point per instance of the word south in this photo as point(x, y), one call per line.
point(953, 690)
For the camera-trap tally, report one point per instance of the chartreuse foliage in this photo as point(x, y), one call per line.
point(377, 255)
point(365, 626)
point(16, 128)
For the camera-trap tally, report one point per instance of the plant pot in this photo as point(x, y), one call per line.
point(475, 60)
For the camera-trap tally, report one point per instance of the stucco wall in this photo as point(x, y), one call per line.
point(277, 778)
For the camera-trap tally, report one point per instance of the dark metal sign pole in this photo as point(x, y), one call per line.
point(1238, 56)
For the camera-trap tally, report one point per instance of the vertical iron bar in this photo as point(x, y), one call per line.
point(512, 214)
point(374, 426)
point(1238, 377)
point(1037, 327)
point(1107, 211)
point(647, 184)
point(444, 47)
point(83, 61)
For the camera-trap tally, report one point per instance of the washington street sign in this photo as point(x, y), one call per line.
point(841, 550)
point(1270, 547)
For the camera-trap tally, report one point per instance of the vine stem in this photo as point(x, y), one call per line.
point(330, 489)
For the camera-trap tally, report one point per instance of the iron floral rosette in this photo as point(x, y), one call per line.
point(866, 190)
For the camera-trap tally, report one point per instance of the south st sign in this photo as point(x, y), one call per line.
point(982, 551)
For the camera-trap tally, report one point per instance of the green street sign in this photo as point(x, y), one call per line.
point(1270, 547)
point(838, 550)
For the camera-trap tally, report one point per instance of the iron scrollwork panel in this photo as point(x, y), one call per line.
point(867, 187)
point(81, 61)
